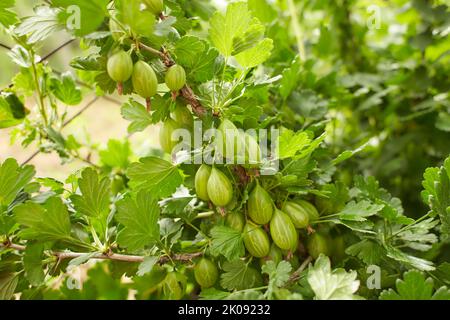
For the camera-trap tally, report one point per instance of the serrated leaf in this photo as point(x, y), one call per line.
point(7, 17)
point(257, 55)
point(225, 28)
point(329, 284)
point(402, 257)
point(91, 14)
point(130, 13)
point(213, 294)
point(41, 25)
point(437, 194)
point(239, 276)
point(95, 192)
point(147, 265)
point(227, 242)
point(197, 57)
point(278, 275)
point(368, 251)
point(418, 236)
point(414, 286)
point(13, 179)
point(138, 115)
point(140, 218)
point(32, 264)
point(66, 90)
point(290, 77)
point(47, 222)
point(8, 284)
point(359, 211)
point(290, 143)
point(116, 155)
point(157, 176)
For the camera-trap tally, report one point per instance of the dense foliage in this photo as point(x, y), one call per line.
point(354, 203)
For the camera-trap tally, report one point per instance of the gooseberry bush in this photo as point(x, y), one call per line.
point(290, 133)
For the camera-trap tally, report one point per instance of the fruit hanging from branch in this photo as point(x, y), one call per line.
point(283, 231)
point(256, 240)
point(220, 189)
point(145, 82)
point(120, 68)
point(260, 205)
point(175, 78)
point(206, 273)
point(155, 6)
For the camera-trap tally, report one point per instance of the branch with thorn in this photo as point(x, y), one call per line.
point(63, 255)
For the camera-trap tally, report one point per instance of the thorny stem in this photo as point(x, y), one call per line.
point(296, 274)
point(184, 257)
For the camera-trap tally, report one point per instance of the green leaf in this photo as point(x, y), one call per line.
point(94, 198)
point(197, 57)
point(237, 33)
point(359, 211)
point(138, 115)
point(368, 251)
point(437, 194)
point(289, 81)
point(140, 218)
point(7, 17)
point(257, 55)
point(419, 236)
point(44, 23)
point(290, 143)
point(147, 265)
point(348, 154)
point(443, 121)
point(116, 155)
point(239, 276)
point(8, 284)
point(130, 13)
point(12, 111)
point(262, 10)
point(409, 260)
point(213, 294)
point(13, 179)
point(227, 242)
point(32, 264)
point(47, 222)
point(92, 15)
point(157, 176)
point(66, 90)
point(278, 275)
point(224, 29)
point(414, 286)
point(330, 284)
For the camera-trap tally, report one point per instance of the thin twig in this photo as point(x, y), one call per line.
point(184, 257)
point(296, 274)
point(4, 46)
point(79, 113)
point(186, 92)
point(51, 53)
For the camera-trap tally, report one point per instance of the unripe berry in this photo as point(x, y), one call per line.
point(120, 66)
point(176, 78)
point(145, 82)
point(155, 6)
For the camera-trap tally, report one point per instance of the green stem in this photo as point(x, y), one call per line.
point(297, 30)
point(410, 225)
point(39, 92)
